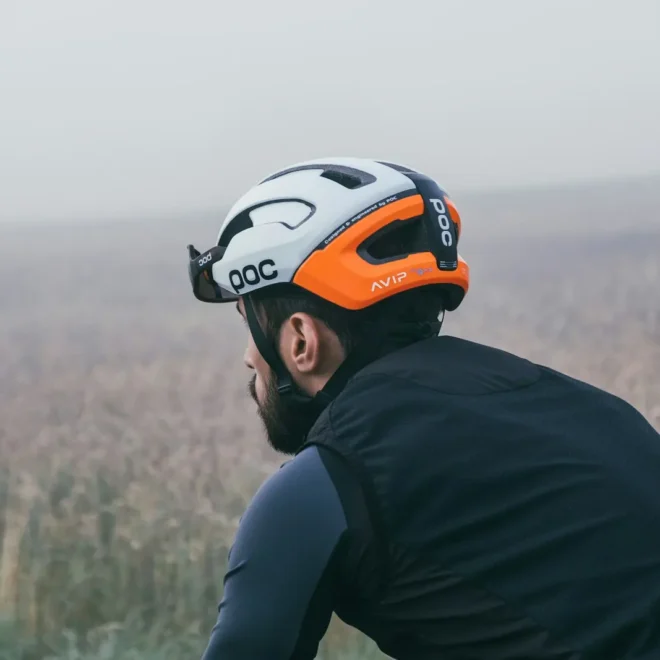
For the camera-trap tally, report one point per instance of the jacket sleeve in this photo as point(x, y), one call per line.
point(278, 589)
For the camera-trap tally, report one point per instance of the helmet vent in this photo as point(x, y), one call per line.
point(238, 224)
point(343, 178)
point(395, 241)
point(348, 177)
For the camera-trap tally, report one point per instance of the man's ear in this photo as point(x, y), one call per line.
point(303, 337)
point(310, 350)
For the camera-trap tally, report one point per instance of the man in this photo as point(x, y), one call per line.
point(448, 499)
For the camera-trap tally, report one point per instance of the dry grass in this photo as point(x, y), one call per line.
point(129, 448)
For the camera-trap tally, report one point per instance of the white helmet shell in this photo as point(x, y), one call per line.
point(272, 229)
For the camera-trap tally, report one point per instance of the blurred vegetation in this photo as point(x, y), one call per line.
point(129, 447)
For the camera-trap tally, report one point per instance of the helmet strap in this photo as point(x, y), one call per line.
point(283, 379)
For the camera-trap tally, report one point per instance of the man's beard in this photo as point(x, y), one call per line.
point(287, 422)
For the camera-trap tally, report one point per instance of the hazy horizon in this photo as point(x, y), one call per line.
point(117, 109)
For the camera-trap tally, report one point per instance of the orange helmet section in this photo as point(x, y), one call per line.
point(453, 214)
point(338, 274)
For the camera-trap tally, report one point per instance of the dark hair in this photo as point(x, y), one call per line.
point(417, 308)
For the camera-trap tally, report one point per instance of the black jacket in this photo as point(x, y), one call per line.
point(456, 501)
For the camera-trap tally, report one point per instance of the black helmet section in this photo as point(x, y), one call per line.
point(441, 230)
point(442, 233)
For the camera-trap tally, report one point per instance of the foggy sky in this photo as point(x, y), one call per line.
point(129, 107)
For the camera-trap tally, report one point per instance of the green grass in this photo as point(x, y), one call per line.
point(107, 643)
point(123, 642)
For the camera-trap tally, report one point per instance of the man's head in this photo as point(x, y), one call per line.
point(331, 255)
point(313, 337)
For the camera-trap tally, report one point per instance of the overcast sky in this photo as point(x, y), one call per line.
point(129, 107)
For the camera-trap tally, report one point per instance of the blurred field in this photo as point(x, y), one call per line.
point(129, 447)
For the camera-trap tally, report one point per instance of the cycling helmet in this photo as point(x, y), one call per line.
point(319, 225)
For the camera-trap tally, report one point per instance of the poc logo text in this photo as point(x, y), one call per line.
point(443, 221)
point(251, 275)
